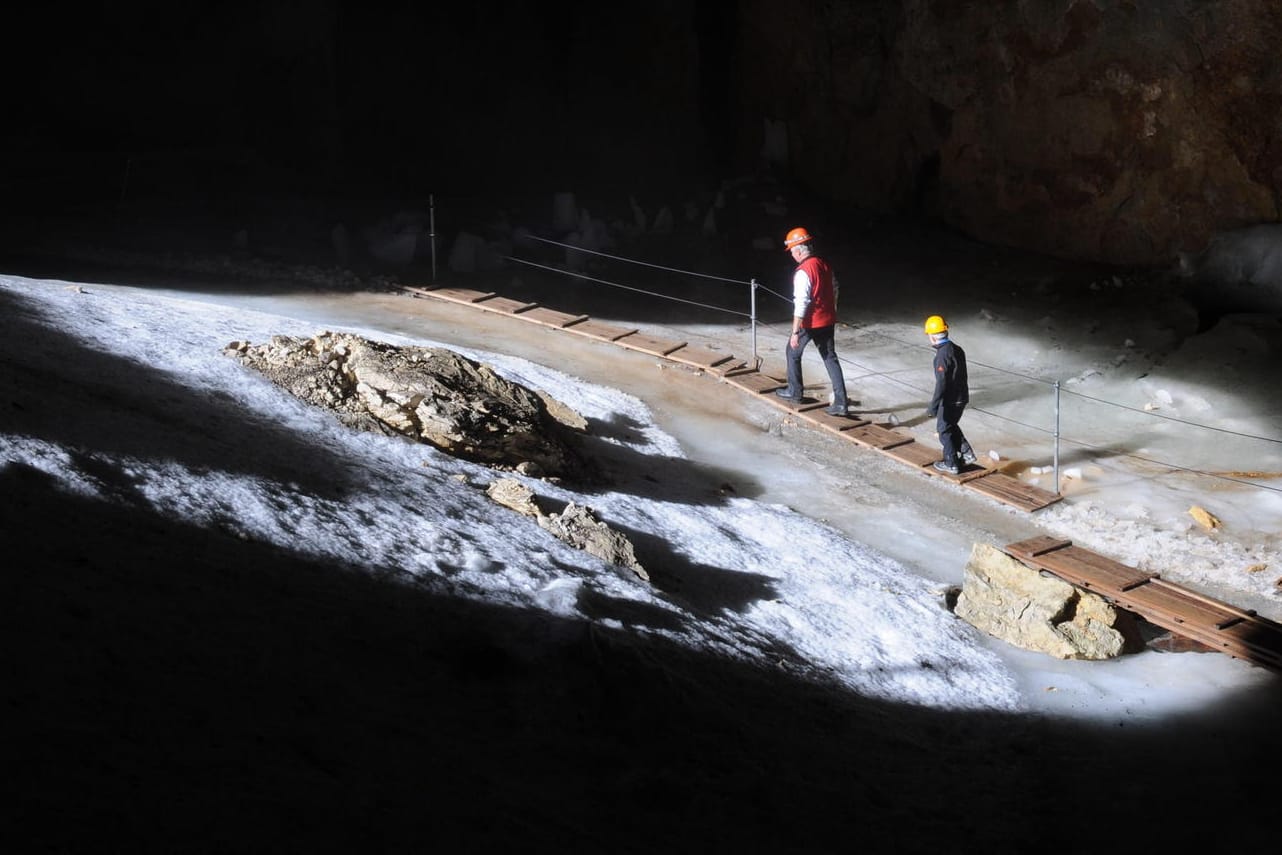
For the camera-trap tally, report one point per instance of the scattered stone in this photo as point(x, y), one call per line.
point(1204, 518)
point(578, 526)
point(513, 494)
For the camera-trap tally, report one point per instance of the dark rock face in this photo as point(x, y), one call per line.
point(1111, 131)
point(1107, 130)
point(1240, 271)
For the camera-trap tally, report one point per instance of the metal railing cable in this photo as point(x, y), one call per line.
point(1168, 465)
point(753, 284)
point(1092, 398)
point(1083, 444)
point(868, 371)
point(1174, 419)
point(628, 287)
point(574, 248)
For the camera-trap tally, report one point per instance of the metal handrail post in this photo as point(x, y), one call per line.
point(431, 229)
point(756, 363)
point(1056, 436)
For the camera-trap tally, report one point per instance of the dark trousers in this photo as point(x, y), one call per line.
point(824, 339)
point(951, 439)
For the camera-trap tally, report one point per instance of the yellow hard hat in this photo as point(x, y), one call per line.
point(935, 324)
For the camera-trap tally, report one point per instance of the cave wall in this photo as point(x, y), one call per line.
point(1107, 130)
point(489, 95)
point(1100, 129)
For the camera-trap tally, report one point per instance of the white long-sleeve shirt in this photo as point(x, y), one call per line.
point(801, 290)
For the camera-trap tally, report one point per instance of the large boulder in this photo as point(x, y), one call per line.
point(1024, 607)
point(428, 394)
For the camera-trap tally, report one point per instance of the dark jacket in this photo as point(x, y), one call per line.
point(951, 386)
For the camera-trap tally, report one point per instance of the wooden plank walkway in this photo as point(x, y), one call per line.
point(899, 446)
point(1239, 633)
point(881, 438)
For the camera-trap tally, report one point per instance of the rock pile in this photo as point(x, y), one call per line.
point(460, 406)
point(427, 394)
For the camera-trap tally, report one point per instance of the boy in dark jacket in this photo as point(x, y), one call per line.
point(952, 394)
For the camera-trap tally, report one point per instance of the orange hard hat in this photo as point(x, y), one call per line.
point(796, 237)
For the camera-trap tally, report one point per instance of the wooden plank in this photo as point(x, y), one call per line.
point(802, 407)
point(1262, 645)
point(1209, 621)
point(1090, 570)
point(1174, 605)
point(970, 473)
point(837, 424)
point(504, 305)
point(702, 356)
point(605, 332)
point(649, 344)
point(551, 317)
point(1012, 491)
point(1125, 576)
point(878, 437)
point(1036, 546)
point(965, 476)
point(1242, 614)
point(754, 381)
point(914, 454)
point(460, 295)
point(721, 369)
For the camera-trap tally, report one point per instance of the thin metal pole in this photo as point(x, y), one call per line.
point(756, 363)
point(431, 229)
point(1057, 436)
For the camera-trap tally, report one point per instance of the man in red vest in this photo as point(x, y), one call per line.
point(814, 318)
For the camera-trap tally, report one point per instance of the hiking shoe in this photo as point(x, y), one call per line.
point(838, 411)
point(783, 393)
point(941, 466)
point(968, 457)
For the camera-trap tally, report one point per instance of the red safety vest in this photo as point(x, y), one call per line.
point(822, 311)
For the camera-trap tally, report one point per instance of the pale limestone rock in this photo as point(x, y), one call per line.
point(513, 494)
point(578, 526)
point(430, 395)
point(1019, 605)
point(1204, 518)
